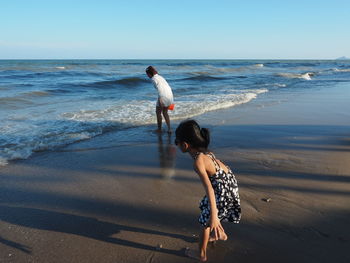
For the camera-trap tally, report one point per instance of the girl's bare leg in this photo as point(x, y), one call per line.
point(201, 253)
point(203, 243)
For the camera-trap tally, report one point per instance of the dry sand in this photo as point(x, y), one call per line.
point(139, 202)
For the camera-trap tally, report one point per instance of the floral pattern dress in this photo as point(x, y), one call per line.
point(226, 196)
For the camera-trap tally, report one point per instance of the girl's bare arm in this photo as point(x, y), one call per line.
point(215, 224)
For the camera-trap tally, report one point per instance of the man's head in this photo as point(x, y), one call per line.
point(151, 71)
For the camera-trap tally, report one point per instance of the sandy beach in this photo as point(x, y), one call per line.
point(100, 201)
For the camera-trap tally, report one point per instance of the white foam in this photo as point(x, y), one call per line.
point(60, 67)
point(142, 112)
point(3, 161)
point(342, 70)
point(193, 108)
point(306, 76)
point(280, 85)
point(20, 139)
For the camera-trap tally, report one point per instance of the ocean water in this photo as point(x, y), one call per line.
point(45, 104)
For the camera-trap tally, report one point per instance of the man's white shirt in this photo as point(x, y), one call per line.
point(165, 93)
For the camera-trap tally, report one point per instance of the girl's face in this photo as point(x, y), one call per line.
point(182, 145)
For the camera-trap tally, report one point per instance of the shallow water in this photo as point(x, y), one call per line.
point(45, 104)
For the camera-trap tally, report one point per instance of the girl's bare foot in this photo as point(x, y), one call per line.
point(194, 253)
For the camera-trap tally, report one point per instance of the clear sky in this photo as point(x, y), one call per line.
point(161, 29)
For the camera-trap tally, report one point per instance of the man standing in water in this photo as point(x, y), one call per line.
point(165, 97)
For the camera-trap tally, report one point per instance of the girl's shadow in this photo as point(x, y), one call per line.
point(81, 226)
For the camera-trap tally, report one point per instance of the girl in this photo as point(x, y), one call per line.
point(221, 202)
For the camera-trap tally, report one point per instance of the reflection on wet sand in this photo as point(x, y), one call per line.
point(167, 156)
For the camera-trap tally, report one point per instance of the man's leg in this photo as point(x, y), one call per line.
point(166, 117)
point(159, 118)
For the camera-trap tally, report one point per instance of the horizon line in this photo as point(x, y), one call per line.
point(339, 58)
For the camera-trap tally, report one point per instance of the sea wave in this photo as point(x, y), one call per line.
point(279, 85)
point(60, 91)
point(290, 64)
point(259, 65)
point(47, 104)
point(128, 82)
point(125, 82)
point(52, 73)
point(248, 68)
point(35, 94)
point(193, 107)
point(21, 99)
point(141, 112)
point(203, 77)
point(341, 70)
point(39, 135)
point(306, 76)
point(14, 102)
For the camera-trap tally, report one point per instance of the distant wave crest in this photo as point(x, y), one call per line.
point(126, 82)
point(306, 76)
point(203, 77)
point(260, 65)
point(341, 70)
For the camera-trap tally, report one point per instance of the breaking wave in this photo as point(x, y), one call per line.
point(306, 76)
point(72, 126)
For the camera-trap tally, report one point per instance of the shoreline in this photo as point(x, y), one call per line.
point(92, 97)
point(106, 204)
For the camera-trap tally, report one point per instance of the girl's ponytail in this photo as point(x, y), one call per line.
point(190, 132)
point(206, 136)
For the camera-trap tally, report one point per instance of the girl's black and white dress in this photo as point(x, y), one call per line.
point(226, 196)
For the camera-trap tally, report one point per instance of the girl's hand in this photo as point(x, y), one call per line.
point(216, 230)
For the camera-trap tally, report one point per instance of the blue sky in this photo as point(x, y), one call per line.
point(155, 29)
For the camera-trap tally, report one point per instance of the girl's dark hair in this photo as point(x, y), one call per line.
point(190, 132)
point(151, 70)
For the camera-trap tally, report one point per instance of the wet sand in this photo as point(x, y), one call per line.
point(139, 202)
